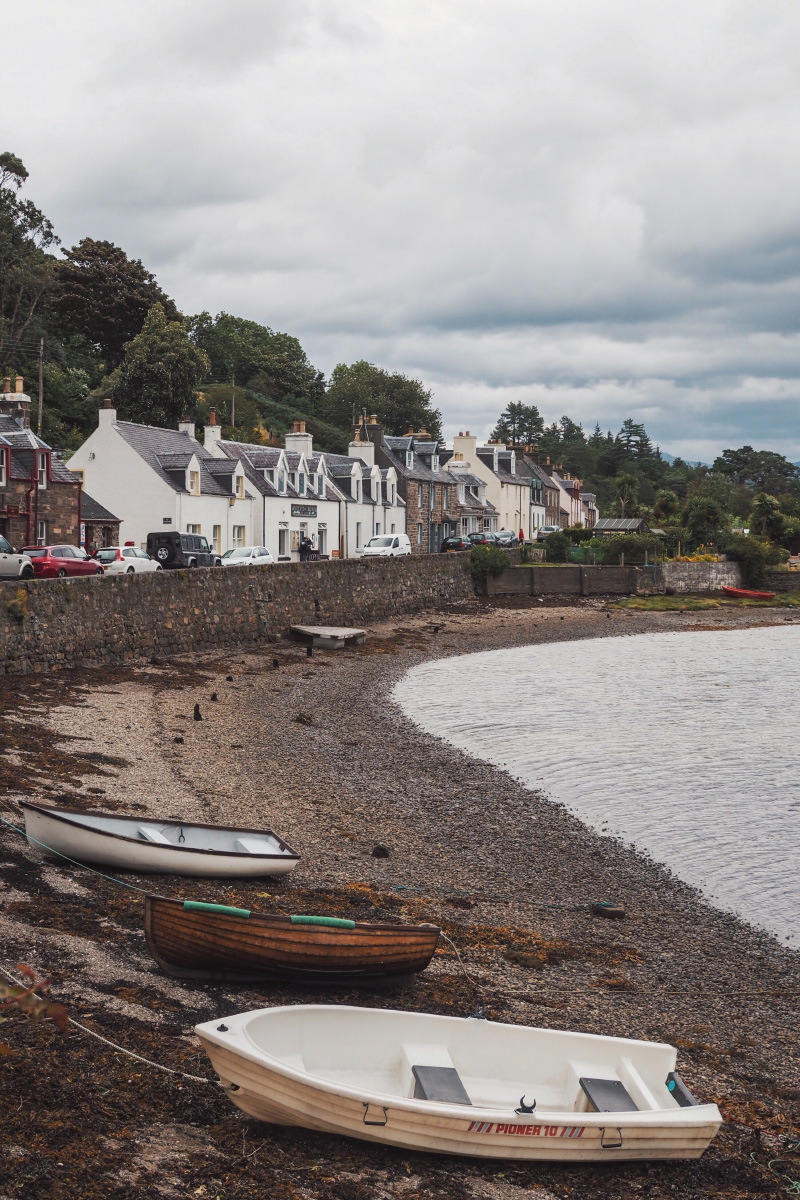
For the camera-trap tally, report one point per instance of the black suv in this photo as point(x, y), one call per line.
point(173, 550)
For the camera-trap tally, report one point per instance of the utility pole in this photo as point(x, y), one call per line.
point(41, 386)
point(233, 397)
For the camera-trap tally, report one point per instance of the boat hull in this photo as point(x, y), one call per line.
point(223, 947)
point(745, 594)
point(53, 834)
point(282, 1092)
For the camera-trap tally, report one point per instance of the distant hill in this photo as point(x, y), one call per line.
point(670, 458)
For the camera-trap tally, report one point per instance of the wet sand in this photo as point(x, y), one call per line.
point(314, 748)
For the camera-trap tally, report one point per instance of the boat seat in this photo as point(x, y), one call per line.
point(153, 835)
point(442, 1084)
point(608, 1095)
point(250, 845)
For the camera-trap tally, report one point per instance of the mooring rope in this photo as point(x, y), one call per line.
point(50, 850)
point(116, 1046)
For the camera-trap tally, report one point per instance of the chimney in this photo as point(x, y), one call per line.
point(107, 414)
point(365, 450)
point(18, 384)
point(186, 426)
point(6, 384)
point(213, 431)
point(298, 441)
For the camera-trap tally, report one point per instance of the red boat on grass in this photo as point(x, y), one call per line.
point(745, 594)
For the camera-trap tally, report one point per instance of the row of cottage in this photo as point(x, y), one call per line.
point(234, 493)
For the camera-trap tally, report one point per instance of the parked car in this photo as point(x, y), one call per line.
point(13, 565)
point(483, 539)
point(506, 537)
point(174, 550)
point(125, 560)
point(387, 545)
point(455, 544)
point(50, 562)
point(247, 556)
point(546, 530)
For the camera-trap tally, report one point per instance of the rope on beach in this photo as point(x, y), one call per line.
point(112, 879)
point(122, 1049)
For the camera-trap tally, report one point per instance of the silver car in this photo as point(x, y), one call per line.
point(247, 556)
point(13, 565)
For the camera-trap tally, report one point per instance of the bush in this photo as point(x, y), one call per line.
point(579, 533)
point(753, 554)
point(633, 545)
point(557, 546)
point(485, 561)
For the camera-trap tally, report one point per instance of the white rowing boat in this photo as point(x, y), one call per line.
point(457, 1086)
point(146, 844)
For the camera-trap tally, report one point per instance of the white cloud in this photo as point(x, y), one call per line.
point(585, 202)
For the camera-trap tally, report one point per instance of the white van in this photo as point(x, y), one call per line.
point(388, 545)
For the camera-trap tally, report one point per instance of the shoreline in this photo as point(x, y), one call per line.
point(469, 848)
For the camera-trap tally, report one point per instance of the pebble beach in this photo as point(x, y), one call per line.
point(315, 748)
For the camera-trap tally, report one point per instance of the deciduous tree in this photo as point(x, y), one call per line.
point(400, 403)
point(156, 381)
point(26, 236)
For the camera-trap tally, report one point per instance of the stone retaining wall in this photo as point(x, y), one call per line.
point(48, 624)
point(700, 576)
point(780, 581)
point(617, 581)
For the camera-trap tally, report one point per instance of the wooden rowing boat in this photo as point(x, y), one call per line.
point(448, 1085)
point(746, 594)
point(147, 844)
point(211, 941)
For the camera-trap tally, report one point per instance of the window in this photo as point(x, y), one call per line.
point(192, 528)
point(238, 535)
point(240, 486)
point(445, 497)
point(41, 533)
point(433, 495)
point(216, 538)
point(320, 484)
point(392, 529)
point(194, 483)
point(420, 495)
point(42, 471)
point(358, 535)
point(377, 527)
point(322, 535)
point(283, 540)
point(2, 467)
point(435, 462)
point(269, 475)
point(419, 535)
point(409, 458)
point(282, 482)
point(293, 478)
point(301, 484)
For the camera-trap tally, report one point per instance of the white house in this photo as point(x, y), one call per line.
point(291, 493)
point(157, 479)
point(507, 489)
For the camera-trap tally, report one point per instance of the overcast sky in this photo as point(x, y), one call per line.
point(590, 205)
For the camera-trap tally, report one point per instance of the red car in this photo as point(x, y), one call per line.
point(50, 562)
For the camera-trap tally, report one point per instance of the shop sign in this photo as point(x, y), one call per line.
point(304, 510)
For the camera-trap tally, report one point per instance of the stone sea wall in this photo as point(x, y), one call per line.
point(616, 581)
point(48, 624)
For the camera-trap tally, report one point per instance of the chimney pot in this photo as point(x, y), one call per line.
point(6, 383)
point(19, 383)
point(106, 404)
point(467, 434)
point(212, 416)
point(373, 419)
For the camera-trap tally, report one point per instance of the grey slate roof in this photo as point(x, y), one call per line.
point(91, 510)
point(155, 445)
point(618, 525)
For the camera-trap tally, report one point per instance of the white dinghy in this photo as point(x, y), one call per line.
point(144, 844)
point(457, 1086)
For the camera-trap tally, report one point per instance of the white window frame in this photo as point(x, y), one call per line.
point(194, 483)
point(358, 535)
point(216, 537)
point(238, 536)
point(283, 539)
point(301, 484)
point(42, 468)
point(269, 474)
point(240, 487)
point(282, 482)
point(410, 459)
point(41, 533)
point(193, 529)
point(419, 535)
point(2, 466)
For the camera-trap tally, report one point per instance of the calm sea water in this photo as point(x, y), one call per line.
point(686, 744)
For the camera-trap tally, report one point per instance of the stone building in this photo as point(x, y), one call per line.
point(40, 499)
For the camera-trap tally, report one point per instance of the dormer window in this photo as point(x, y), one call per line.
point(293, 479)
point(435, 462)
point(42, 462)
point(194, 483)
point(240, 487)
point(320, 484)
point(282, 482)
point(2, 467)
point(301, 484)
point(269, 475)
point(409, 458)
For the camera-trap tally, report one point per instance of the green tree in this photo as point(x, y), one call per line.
point(246, 353)
point(519, 423)
point(400, 403)
point(767, 517)
point(26, 236)
point(666, 505)
point(102, 297)
point(626, 491)
point(156, 380)
point(706, 520)
point(763, 470)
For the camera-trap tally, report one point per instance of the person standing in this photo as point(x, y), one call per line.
point(521, 537)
